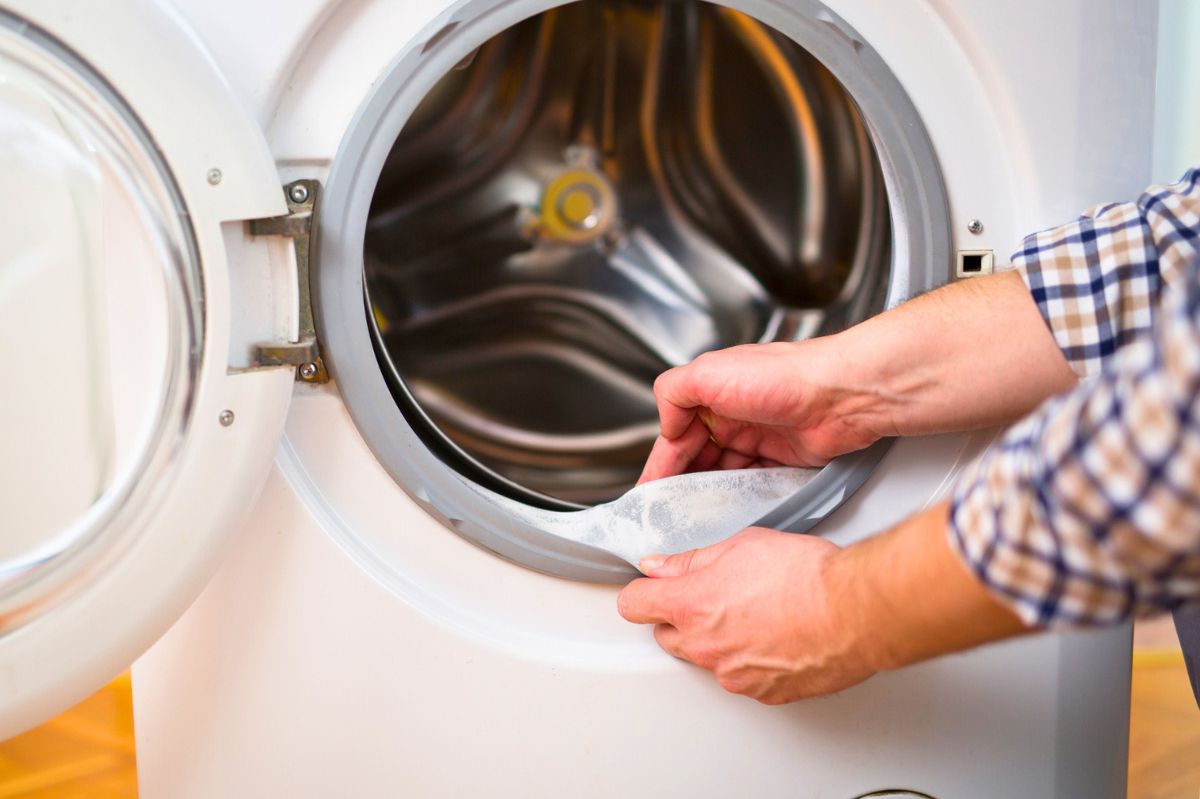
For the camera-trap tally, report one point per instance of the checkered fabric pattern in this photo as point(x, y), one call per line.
point(1088, 511)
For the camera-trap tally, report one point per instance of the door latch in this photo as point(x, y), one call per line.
point(975, 263)
point(300, 226)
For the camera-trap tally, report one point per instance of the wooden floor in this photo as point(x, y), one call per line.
point(88, 751)
point(1164, 729)
point(85, 752)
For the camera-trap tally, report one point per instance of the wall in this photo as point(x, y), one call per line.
point(1177, 104)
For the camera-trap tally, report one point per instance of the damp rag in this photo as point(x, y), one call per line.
point(674, 514)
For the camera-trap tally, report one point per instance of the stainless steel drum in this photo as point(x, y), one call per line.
point(595, 195)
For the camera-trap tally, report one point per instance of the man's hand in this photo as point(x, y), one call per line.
point(759, 405)
point(969, 355)
point(780, 616)
point(758, 611)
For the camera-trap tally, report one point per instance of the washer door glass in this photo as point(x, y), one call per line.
point(100, 329)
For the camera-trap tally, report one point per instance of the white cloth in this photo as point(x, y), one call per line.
point(671, 515)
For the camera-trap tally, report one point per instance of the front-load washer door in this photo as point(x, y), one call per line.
point(137, 426)
point(546, 204)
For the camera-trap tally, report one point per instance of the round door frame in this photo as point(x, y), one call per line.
point(921, 260)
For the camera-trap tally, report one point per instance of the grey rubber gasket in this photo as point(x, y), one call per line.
point(921, 260)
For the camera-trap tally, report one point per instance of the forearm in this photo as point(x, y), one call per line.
point(972, 354)
point(905, 596)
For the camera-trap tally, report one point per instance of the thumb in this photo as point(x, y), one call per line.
point(682, 563)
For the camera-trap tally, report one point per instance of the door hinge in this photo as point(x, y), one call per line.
point(300, 226)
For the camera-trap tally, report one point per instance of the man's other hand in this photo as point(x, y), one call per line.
point(781, 616)
point(757, 610)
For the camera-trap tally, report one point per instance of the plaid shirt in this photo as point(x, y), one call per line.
point(1088, 510)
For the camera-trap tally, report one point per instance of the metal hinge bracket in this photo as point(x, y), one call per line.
point(299, 225)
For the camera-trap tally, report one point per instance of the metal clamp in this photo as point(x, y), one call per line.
point(300, 226)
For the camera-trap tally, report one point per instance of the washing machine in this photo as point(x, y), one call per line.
point(307, 304)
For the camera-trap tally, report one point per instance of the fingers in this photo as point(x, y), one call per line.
point(731, 459)
point(677, 644)
point(660, 566)
point(646, 601)
point(670, 639)
point(676, 393)
point(706, 461)
point(670, 457)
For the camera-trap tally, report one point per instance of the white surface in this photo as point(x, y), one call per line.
point(177, 537)
point(354, 646)
point(461, 675)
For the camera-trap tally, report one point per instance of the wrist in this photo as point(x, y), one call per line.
point(902, 597)
point(856, 381)
point(855, 611)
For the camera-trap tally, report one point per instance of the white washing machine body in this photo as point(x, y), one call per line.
point(352, 644)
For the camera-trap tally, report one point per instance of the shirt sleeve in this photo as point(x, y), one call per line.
point(1088, 511)
point(1097, 280)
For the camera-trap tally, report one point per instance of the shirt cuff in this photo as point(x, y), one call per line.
point(984, 495)
point(1046, 571)
point(1095, 281)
